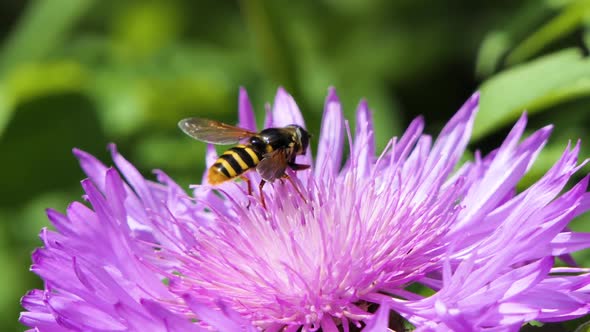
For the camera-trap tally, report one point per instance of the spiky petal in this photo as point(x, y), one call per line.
point(147, 256)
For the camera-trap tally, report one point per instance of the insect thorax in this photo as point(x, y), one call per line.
point(276, 138)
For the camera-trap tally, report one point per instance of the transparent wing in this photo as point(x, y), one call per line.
point(212, 131)
point(273, 165)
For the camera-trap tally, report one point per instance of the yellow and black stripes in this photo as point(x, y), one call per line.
point(234, 162)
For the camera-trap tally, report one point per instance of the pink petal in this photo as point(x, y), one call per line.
point(246, 116)
point(331, 138)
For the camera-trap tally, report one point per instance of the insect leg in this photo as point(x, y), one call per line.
point(296, 187)
point(298, 167)
point(262, 182)
point(245, 179)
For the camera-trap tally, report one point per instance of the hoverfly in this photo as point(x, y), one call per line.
point(270, 151)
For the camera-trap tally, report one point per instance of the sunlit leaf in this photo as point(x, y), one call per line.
point(532, 87)
point(535, 323)
point(510, 28)
point(561, 25)
point(6, 108)
point(491, 50)
point(29, 81)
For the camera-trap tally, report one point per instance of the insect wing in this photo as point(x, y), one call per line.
point(211, 131)
point(273, 165)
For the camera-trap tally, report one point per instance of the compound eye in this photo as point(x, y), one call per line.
point(304, 138)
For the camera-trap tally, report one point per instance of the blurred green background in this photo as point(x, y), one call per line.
point(84, 73)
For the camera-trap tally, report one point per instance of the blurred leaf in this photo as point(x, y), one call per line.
point(532, 87)
point(354, 7)
point(582, 224)
point(584, 327)
point(558, 3)
point(37, 145)
point(418, 288)
point(511, 27)
point(579, 88)
point(136, 67)
point(563, 24)
point(384, 108)
point(492, 49)
point(43, 27)
point(159, 97)
point(6, 107)
point(547, 158)
point(218, 61)
point(24, 83)
point(121, 104)
point(196, 95)
point(173, 155)
point(144, 27)
point(13, 274)
point(33, 217)
point(272, 46)
point(517, 25)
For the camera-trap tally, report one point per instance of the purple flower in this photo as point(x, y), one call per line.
point(147, 256)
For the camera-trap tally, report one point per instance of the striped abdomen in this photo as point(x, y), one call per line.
point(232, 163)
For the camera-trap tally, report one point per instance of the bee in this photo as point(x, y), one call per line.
point(270, 151)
